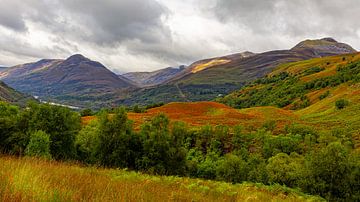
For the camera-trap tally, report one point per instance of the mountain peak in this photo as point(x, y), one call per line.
point(329, 39)
point(323, 47)
point(77, 58)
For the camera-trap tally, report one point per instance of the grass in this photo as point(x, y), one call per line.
point(212, 113)
point(25, 179)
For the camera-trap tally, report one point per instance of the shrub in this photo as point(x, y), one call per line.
point(324, 95)
point(341, 104)
point(39, 145)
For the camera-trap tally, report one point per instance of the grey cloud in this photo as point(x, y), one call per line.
point(114, 21)
point(10, 15)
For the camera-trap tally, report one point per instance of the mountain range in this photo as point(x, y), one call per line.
point(79, 81)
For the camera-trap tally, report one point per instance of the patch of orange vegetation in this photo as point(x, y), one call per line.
point(213, 113)
point(212, 63)
point(85, 120)
point(195, 114)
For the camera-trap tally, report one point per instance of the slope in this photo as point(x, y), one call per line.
point(155, 77)
point(211, 78)
point(8, 94)
point(76, 81)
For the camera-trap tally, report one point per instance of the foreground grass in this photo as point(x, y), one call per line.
point(28, 179)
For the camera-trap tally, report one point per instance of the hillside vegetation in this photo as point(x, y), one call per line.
point(8, 94)
point(310, 89)
point(302, 157)
point(32, 179)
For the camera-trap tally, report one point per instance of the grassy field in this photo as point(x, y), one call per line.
point(38, 180)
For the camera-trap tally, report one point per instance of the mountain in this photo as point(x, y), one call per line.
point(77, 81)
point(8, 94)
point(323, 47)
point(303, 85)
point(155, 77)
point(215, 77)
point(2, 68)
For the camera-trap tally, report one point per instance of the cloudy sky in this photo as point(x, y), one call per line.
point(144, 35)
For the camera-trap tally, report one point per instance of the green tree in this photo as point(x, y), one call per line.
point(87, 142)
point(341, 104)
point(60, 123)
point(163, 152)
point(232, 169)
point(118, 145)
point(285, 169)
point(39, 145)
point(13, 137)
point(329, 172)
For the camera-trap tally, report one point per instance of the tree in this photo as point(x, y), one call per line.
point(86, 112)
point(60, 123)
point(285, 169)
point(87, 142)
point(329, 172)
point(39, 145)
point(341, 104)
point(232, 169)
point(118, 145)
point(12, 138)
point(163, 153)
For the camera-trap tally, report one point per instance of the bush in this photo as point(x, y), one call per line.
point(39, 145)
point(341, 104)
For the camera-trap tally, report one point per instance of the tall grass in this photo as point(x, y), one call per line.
point(29, 179)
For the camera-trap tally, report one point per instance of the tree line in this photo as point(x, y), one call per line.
point(321, 163)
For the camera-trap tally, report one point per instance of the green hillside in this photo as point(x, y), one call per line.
point(8, 94)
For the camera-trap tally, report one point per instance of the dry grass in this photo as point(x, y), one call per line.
point(38, 180)
point(212, 113)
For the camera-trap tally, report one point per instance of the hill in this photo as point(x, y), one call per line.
point(10, 95)
point(214, 77)
point(77, 81)
point(155, 77)
point(39, 180)
point(310, 89)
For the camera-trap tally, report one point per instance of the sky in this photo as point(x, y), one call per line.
point(146, 35)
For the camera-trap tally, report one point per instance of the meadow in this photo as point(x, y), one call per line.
point(32, 179)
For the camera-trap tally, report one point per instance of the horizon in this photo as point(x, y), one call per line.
point(131, 36)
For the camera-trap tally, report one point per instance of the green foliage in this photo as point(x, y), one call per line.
point(232, 169)
point(285, 169)
point(87, 142)
point(324, 95)
point(313, 70)
point(321, 163)
point(283, 89)
point(163, 153)
point(330, 173)
point(60, 123)
point(86, 112)
point(118, 145)
point(341, 104)
point(39, 145)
